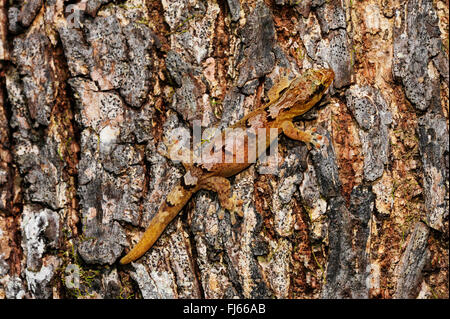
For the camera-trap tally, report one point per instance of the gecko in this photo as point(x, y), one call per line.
point(287, 100)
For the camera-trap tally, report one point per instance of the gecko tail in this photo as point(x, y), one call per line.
point(174, 202)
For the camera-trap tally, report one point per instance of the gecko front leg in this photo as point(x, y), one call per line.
point(293, 132)
point(222, 187)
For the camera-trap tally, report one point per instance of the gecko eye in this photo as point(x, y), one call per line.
point(283, 91)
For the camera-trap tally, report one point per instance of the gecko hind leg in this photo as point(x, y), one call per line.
point(222, 187)
point(293, 132)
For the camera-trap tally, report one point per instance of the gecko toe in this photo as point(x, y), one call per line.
point(233, 218)
point(315, 138)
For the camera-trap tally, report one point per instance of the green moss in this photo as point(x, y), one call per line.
point(324, 279)
point(182, 24)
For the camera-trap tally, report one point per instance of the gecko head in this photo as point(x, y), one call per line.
point(318, 80)
point(327, 76)
point(321, 79)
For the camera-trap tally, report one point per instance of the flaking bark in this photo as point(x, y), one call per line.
point(89, 92)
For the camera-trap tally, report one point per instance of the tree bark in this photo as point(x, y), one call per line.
point(91, 90)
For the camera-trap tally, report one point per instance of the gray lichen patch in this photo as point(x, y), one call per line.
point(256, 57)
point(104, 200)
point(181, 264)
point(325, 166)
point(190, 99)
point(372, 115)
point(348, 263)
point(29, 11)
point(333, 49)
point(33, 54)
point(40, 231)
point(290, 176)
point(102, 244)
point(235, 9)
point(213, 275)
point(417, 46)
point(14, 287)
point(348, 228)
point(111, 284)
point(39, 156)
point(136, 84)
point(112, 47)
point(187, 100)
point(112, 171)
point(92, 6)
point(232, 107)
point(314, 204)
point(191, 26)
point(4, 267)
point(153, 284)
point(115, 50)
point(277, 268)
point(414, 259)
point(40, 282)
point(434, 149)
point(76, 49)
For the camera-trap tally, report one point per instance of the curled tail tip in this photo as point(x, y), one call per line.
point(126, 260)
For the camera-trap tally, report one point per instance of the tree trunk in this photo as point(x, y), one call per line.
point(91, 90)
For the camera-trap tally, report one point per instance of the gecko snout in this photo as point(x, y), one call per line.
point(327, 76)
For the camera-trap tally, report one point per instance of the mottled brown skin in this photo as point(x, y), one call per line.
point(286, 103)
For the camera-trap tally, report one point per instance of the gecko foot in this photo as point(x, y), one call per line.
point(315, 139)
point(306, 136)
point(312, 137)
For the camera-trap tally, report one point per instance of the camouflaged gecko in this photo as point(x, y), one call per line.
point(287, 100)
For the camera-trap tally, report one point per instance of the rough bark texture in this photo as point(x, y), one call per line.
point(89, 90)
